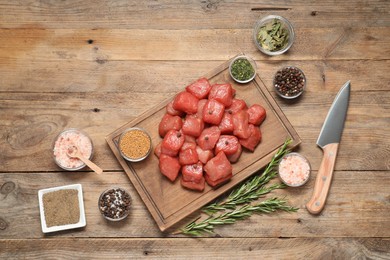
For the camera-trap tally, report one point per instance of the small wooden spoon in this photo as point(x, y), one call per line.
point(74, 152)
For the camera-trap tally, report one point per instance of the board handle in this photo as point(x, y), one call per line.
point(324, 179)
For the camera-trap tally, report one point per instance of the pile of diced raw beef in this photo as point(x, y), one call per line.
point(203, 131)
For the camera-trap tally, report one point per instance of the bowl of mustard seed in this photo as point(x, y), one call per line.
point(135, 144)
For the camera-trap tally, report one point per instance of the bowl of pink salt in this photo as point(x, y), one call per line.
point(294, 169)
point(65, 141)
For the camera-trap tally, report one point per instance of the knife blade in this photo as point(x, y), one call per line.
point(329, 140)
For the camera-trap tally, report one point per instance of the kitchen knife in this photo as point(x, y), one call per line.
point(329, 140)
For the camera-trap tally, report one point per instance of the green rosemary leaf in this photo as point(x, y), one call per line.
point(230, 217)
point(246, 193)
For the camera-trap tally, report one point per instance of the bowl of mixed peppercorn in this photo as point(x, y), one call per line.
point(242, 69)
point(114, 204)
point(273, 35)
point(289, 82)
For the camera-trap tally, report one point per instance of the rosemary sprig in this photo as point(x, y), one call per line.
point(230, 217)
point(246, 193)
point(253, 188)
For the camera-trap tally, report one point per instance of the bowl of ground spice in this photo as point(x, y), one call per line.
point(242, 69)
point(61, 208)
point(135, 144)
point(289, 82)
point(273, 35)
point(114, 204)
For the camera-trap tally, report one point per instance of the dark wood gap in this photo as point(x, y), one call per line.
point(270, 9)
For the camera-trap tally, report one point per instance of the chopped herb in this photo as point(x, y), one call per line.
point(242, 69)
point(273, 36)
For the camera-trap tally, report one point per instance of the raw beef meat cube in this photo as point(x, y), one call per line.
point(169, 122)
point(226, 125)
point(223, 93)
point(237, 105)
point(241, 124)
point(193, 125)
point(218, 167)
point(199, 88)
point(204, 155)
point(217, 182)
point(198, 186)
point(172, 142)
point(253, 140)
point(228, 144)
point(234, 157)
point(169, 166)
point(201, 105)
point(188, 145)
point(257, 114)
point(172, 111)
point(208, 138)
point(192, 172)
point(188, 156)
point(186, 102)
point(213, 112)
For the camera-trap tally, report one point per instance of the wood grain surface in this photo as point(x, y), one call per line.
point(96, 65)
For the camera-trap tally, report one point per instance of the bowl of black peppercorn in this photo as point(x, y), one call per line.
point(114, 204)
point(289, 82)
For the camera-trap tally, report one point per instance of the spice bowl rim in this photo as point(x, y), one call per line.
point(251, 61)
point(301, 156)
point(71, 130)
point(290, 97)
point(82, 221)
point(140, 158)
point(285, 22)
point(114, 219)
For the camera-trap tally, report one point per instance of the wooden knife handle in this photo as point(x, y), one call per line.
point(323, 180)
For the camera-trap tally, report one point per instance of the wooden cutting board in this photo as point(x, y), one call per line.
point(168, 202)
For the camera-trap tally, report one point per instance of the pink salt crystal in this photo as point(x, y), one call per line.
point(67, 139)
point(294, 169)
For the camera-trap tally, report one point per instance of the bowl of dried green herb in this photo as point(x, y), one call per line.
point(273, 35)
point(242, 69)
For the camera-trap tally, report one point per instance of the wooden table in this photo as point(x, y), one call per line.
point(97, 65)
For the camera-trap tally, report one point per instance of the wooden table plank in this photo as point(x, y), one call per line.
point(30, 122)
point(356, 199)
point(221, 248)
point(190, 14)
point(216, 44)
point(167, 77)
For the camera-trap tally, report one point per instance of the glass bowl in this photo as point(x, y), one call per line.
point(238, 64)
point(289, 82)
point(114, 204)
point(135, 144)
point(294, 169)
point(66, 139)
point(284, 24)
